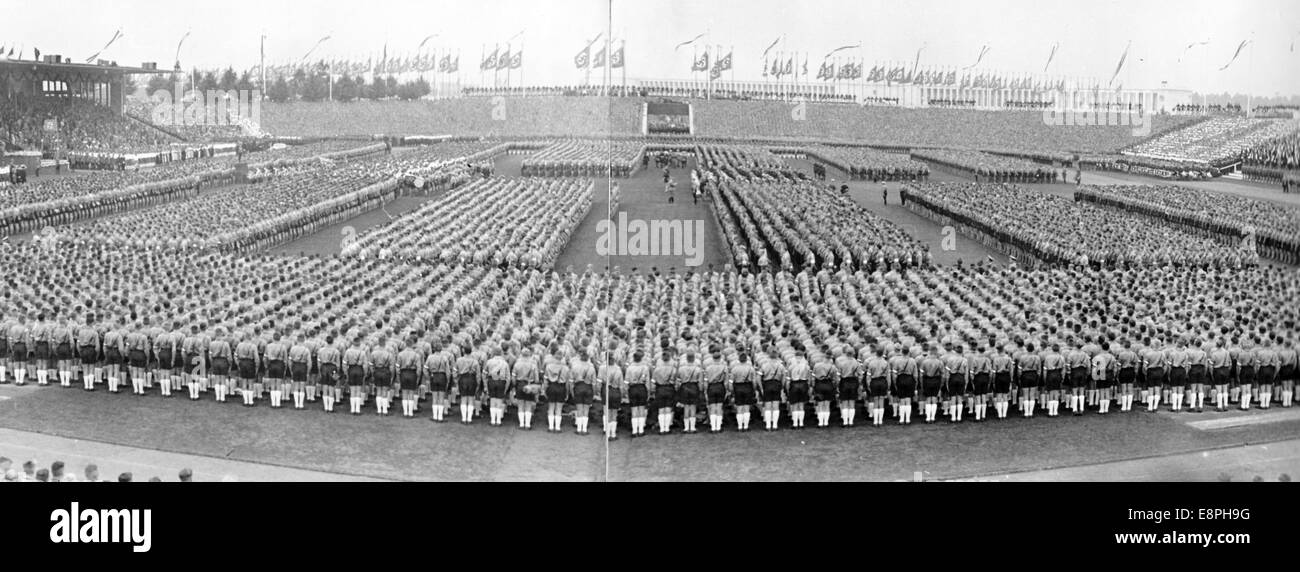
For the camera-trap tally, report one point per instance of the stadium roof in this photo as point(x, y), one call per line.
point(35, 66)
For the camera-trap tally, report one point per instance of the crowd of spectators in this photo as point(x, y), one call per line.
point(1046, 229)
point(900, 126)
point(58, 472)
point(81, 126)
point(465, 116)
point(1216, 142)
point(1274, 228)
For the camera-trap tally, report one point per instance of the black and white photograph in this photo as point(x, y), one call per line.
point(614, 241)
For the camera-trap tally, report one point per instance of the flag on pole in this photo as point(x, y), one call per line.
point(517, 60)
point(583, 59)
point(1240, 47)
point(701, 64)
point(842, 48)
point(616, 58)
point(116, 36)
point(769, 48)
point(1189, 48)
point(688, 42)
point(490, 62)
point(599, 60)
point(1122, 59)
point(1051, 56)
point(984, 50)
point(304, 57)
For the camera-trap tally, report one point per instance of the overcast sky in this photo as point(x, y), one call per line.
point(1019, 34)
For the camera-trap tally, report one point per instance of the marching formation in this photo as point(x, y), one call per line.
point(1043, 228)
point(720, 344)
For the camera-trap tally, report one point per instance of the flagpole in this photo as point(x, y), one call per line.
point(262, 63)
point(695, 57)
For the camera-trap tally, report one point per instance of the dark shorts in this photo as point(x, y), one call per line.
point(438, 382)
point(1029, 379)
point(824, 389)
point(1265, 374)
point(356, 375)
point(1177, 377)
point(716, 393)
point(469, 386)
point(798, 391)
point(1222, 376)
point(1196, 375)
point(298, 371)
point(382, 378)
point(878, 387)
point(613, 397)
point(111, 356)
point(744, 393)
point(956, 385)
point(495, 388)
point(1246, 375)
point(1078, 377)
point(63, 352)
point(848, 389)
point(87, 355)
point(980, 384)
point(556, 392)
point(1155, 377)
point(1287, 373)
point(930, 386)
point(638, 395)
point(771, 390)
point(688, 393)
point(583, 393)
point(1002, 382)
point(665, 395)
point(1127, 375)
point(42, 350)
point(220, 366)
point(19, 353)
point(328, 374)
point(1053, 379)
point(274, 369)
point(410, 380)
point(247, 369)
point(138, 358)
point(166, 359)
point(905, 386)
